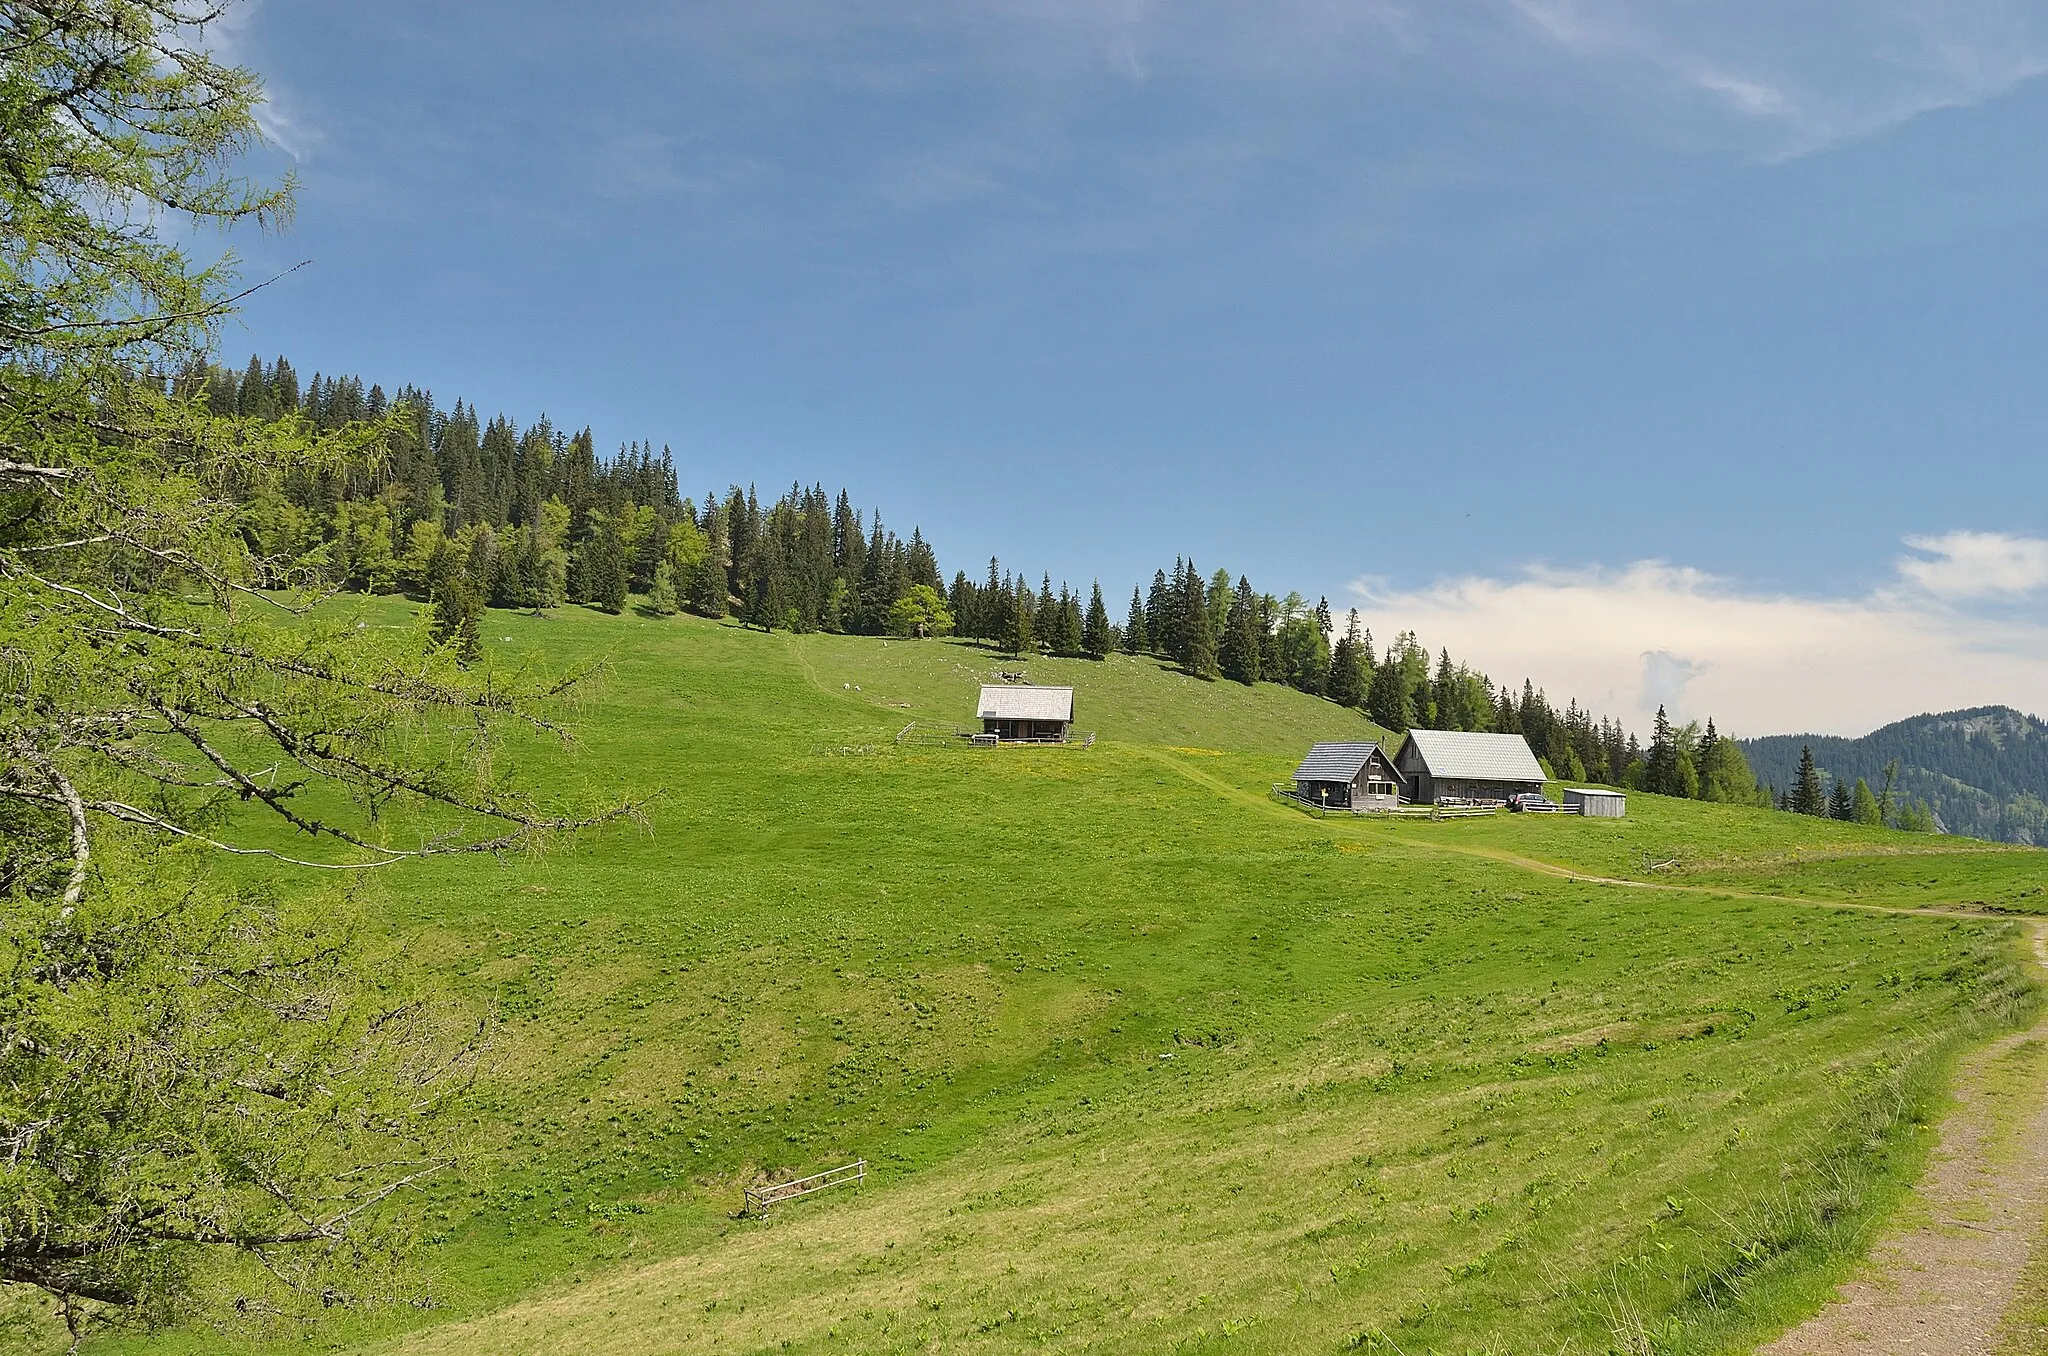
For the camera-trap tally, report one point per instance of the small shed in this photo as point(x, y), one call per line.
point(1463, 765)
point(1348, 776)
point(1026, 713)
point(1596, 804)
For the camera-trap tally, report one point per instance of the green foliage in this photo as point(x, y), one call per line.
point(1137, 637)
point(1807, 796)
point(921, 613)
point(661, 598)
point(1388, 702)
point(603, 556)
point(1097, 639)
point(1016, 624)
point(1237, 657)
point(213, 1104)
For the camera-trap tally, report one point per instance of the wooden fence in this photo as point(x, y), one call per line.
point(1285, 791)
point(849, 1174)
point(921, 734)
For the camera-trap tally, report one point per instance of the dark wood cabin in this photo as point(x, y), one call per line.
point(1348, 776)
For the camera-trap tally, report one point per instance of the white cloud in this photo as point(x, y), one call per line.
point(1624, 641)
point(1977, 565)
point(1809, 74)
point(228, 37)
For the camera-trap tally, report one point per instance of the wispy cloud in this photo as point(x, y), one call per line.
point(1807, 75)
point(1627, 640)
point(230, 38)
point(1964, 565)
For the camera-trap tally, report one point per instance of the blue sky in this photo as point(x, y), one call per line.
point(1631, 346)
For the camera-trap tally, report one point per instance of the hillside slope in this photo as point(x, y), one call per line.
point(1984, 771)
point(1142, 1059)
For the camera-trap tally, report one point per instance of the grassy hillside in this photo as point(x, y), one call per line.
point(1145, 1060)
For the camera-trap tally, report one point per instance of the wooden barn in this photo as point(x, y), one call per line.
point(1460, 765)
point(1024, 713)
point(1345, 776)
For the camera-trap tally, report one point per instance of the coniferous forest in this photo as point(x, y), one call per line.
point(467, 513)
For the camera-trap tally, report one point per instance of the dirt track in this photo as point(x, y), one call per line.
point(1941, 1279)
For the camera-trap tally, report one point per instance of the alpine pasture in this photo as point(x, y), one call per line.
point(1142, 1059)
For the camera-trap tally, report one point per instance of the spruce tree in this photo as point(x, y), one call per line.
point(1201, 652)
point(1095, 633)
point(1661, 767)
point(1137, 637)
point(1387, 701)
point(1159, 614)
point(994, 607)
point(1807, 797)
point(1349, 676)
point(1841, 804)
point(709, 588)
point(455, 618)
point(605, 571)
point(1237, 657)
point(1017, 619)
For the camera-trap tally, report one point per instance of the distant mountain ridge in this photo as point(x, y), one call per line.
point(1983, 771)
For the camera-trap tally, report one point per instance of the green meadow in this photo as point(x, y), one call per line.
point(1142, 1059)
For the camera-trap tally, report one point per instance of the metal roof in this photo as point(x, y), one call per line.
point(1590, 791)
point(1482, 757)
point(1339, 762)
point(1016, 701)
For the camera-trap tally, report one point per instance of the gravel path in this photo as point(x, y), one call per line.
point(1941, 1279)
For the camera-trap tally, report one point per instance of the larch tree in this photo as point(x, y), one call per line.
point(217, 1099)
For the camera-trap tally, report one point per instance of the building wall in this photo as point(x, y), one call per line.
point(1024, 729)
point(1462, 788)
point(1598, 807)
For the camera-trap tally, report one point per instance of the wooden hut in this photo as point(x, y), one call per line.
point(1462, 765)
point(1348, 776)
point(1025, 713)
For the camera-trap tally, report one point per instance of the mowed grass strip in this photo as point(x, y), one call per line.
point(1143, 1060)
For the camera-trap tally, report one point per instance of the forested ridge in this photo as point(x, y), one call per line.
point(1981, 772)
point(467, 513)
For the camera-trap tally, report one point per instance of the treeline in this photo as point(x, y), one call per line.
point(1857, 804)
point(466, 514)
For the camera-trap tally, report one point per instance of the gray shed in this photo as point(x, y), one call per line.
point(1440, 765)
point(1596, 804)
point(1348, 776)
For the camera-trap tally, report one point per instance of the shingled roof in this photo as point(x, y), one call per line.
point(1014, 701)
point(1479, 757)
point(1336, 762)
